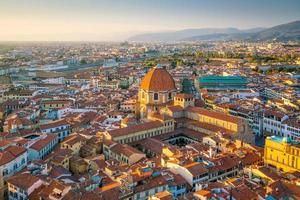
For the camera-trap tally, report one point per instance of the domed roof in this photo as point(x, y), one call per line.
point(158, 79)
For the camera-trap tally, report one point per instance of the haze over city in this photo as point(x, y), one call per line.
point(149, 100)
point(99, 20)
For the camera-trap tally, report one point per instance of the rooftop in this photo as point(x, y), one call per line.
point(158, 79)
point(283, 139)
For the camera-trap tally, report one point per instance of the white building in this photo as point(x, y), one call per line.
point(195, 173)
point(22, 185)
point(60, 127)
point(56, 80)
point(291, 128)
point(13, 159)
point(272, 122)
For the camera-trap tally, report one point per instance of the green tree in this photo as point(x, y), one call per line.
point(83, 62)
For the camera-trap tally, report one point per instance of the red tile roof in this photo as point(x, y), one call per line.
point(214, 114)
point(23, 181)
point(196, 169)
point(11, 153)
point(135, 128)
point(40, 144)
point(4, 143)
point(184, 96)
point(54, 124)
point(124, 149)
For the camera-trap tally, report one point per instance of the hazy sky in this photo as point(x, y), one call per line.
point(117, 19)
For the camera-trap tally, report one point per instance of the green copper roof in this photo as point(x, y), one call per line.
point(283, 139)
point(187, 86)
point(222, 79)
point(223, 82)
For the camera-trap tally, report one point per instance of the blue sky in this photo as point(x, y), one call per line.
point(118, 19)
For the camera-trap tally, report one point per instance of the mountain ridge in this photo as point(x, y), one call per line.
point(283, 32)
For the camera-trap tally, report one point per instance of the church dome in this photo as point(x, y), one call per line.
point(158, 79)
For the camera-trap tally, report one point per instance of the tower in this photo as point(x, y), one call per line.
point(188, 87)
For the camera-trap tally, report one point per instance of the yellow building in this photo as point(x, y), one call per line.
point(2, 113)
point(16, 95)
point(140, 131)
point(78, 165)
point(157, 89)
point(73, 142)
point(184, 100)
point(282, 153)
point(55, 103)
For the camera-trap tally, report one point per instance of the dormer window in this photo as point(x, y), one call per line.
point(155, 96)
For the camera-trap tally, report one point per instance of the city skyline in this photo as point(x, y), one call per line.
point(149, 100)
point(117, 20)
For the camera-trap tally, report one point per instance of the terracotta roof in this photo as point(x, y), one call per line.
point(184, 95)
point(207, 126)
point(4, 143)
point(159, 116)
point(158, 79)
point(243, 192)
point(124, 149)
point(23, 181)
point(135, 128)
point(92, 195)
point(54, 124)
point(56, 101)
point(164, 195)
point(153, 145)
point(269, 173)
point(73, 139)
point(40, 144)
point(293, 122)
point(251, 158)
point(274, 113)
point(150, 184)
point(11, 153)
point(282, 189)
point(57, 171)
point(224, 163)
point(213, 114)
point(50, 189)
point(196, 169)
point(175, 108)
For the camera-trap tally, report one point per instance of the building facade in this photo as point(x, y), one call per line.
point(282, 153)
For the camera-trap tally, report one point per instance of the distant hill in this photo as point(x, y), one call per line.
point(284, 32)
point(179, 35)
point(220, 37)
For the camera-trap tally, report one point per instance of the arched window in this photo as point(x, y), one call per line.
point(155, 96)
